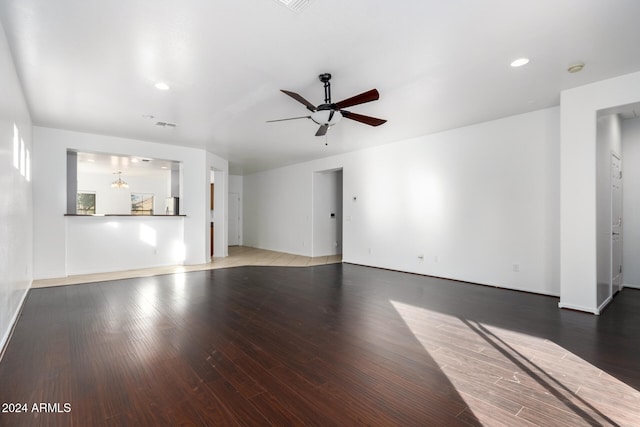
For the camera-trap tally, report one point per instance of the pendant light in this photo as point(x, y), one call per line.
point(119, 183)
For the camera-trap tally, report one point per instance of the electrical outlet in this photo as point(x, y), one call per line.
point(516, 268)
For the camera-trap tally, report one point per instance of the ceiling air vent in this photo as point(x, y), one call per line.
point(295, 5)
point(166, 124)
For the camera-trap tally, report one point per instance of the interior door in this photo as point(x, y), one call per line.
point(234, 219)
point(616, 226)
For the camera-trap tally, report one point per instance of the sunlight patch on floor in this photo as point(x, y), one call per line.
point(511, 378)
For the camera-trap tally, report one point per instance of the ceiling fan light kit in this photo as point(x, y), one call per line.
point(326, 117)
point(328, 114)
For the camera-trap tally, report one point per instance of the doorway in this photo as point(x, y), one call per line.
point(327, 213)
point(608, 207)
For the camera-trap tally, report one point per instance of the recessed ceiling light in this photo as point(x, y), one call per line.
point(520, 62)
point(161, 86)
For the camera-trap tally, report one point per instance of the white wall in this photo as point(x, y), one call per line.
point(277, 209)
point(327, 200)
point(236, 187)
point(476, 202)
point(578, 224)
point(16, 229)
point(631, 202)
point(103, 244)
point(50, 147)
point(608, 141)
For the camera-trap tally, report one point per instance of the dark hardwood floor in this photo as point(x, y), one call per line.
point(320, 346)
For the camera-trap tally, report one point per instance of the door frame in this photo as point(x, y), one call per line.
point(233, 194)
point(616, 288)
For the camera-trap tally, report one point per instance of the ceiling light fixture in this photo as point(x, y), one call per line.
point(161, 86)
point(575, 68)
point(326, 117)
point(520, 62)
point(119, 183)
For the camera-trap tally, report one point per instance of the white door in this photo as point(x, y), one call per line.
point(616, 225)
point(234, 219)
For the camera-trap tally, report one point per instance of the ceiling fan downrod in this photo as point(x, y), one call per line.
point(324, 78)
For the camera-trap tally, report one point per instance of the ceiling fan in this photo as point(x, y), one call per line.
point(329, 113)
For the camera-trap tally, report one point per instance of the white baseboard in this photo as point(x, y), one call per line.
point(624, 285)
point(604, 304)
point(579, 308)
point(12, 323)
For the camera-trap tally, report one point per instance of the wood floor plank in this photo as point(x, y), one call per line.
point(486, 414)
point(326, 345)
point(554, 403)
point(482, 390)
point(620, 404)
point(283, 398)
point(243, 411)
point(333, 409)
point(274, 412)
point(234, 374)
point(555, 418)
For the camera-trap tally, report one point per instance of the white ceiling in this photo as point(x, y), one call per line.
point(91, 65)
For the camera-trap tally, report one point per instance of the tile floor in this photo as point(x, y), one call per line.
point(238, 256)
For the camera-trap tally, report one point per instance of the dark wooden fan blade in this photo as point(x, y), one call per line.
point(292, 118)
point(300, 99)
point(368, 120)
point(322, 130)
point(368, 96)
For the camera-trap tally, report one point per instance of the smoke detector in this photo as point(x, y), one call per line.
point(575, 68)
